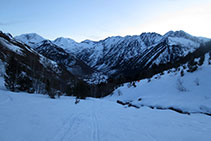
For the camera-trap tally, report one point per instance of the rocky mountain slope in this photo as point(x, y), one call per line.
point(59, 55)
point(38, 68)
point(121, 55)
point(109, 63)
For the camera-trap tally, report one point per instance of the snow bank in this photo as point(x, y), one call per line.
point(162, 91)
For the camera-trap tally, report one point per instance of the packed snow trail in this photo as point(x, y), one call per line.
point(72, 127)
point(36, 117)
point(95, 126)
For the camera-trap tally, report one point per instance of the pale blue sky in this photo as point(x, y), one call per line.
point(98, 19)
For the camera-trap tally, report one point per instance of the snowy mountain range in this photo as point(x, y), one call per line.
point(114, 55)
point(151, 87)
point(153, 110)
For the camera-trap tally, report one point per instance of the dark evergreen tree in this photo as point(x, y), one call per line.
point(210, 55)
point(134, 84)
point(192, 65)
point(68, 91)
point(81, 90)
point(201, 60)
point(49, 90)
point(182, 73)
point(11, 74)
point(209, 61)
point(184, 67)
point(24, 83)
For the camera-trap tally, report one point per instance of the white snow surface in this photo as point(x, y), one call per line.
point(162, 91)
point(183, 42)
point(11, 46)
point(35, 117)
point(65, 43)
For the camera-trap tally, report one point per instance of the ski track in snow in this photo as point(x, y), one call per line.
point(95, 126)
point(68, 129)
point(94, 120)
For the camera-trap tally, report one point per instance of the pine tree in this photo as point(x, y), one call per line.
point(182, 73)
point(81, 90)
point(209, 61)
point(15, 78)
point(210, 55)
point(192, 66)
point(48, 89)
point(24, 83)
point(11, 74)
point(201, 60)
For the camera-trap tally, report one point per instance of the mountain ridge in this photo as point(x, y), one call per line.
point(112, 53)
point(107, 64)
point(18, 37)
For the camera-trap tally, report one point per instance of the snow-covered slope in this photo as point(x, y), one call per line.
point(36, 117)
point(65, 43)
point(12, 47)
point(36, 66)
point(165, 91)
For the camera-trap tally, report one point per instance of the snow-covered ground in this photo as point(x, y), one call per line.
point(162, 91)
point(32, 117)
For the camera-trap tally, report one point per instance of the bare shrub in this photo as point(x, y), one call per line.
point(180, 85)
point(129, 85)
point(196, 81)
point(119, 92)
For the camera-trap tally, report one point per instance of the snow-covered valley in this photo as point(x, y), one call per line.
point(168, 103)
point(105, 70)
point(37, 117)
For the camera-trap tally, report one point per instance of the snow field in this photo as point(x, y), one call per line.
point(37, 117)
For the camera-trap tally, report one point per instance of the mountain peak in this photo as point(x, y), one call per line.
point(179, 33)
point(31, 39)
point(65, 43)
point(30, 36)
point(150, 38)
point(87, 41)
point(62, 39)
